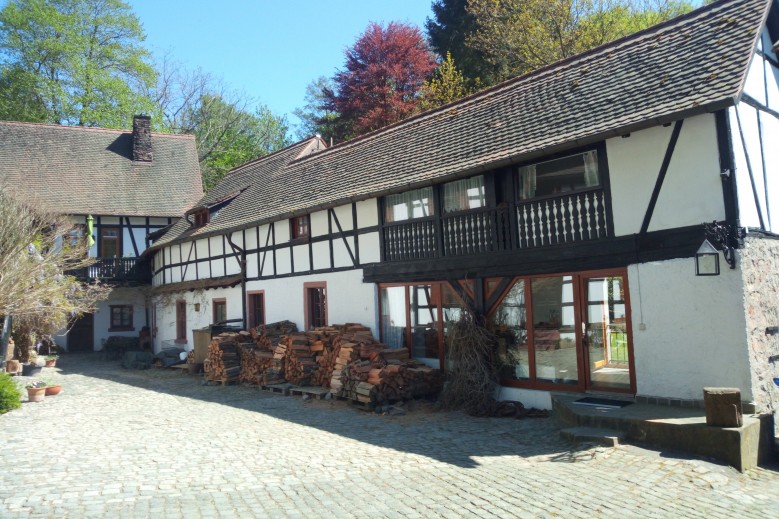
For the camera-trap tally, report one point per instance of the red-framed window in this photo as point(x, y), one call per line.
point(315, 304)
point(181, 321)
point(256, 308)
point(201, 217)
point(300, 227)
point(219, 306)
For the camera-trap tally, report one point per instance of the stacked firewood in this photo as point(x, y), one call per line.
point(267, 336)
point(191, 357)
point(300, 360)
point(255, 361)
point(370, 382)
point(223, 361)
point(275, 374)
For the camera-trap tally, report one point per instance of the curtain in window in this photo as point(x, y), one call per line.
point(464, 194)
point(411, 204)
point(591, 169)
point(527, 182)
point(393, 321)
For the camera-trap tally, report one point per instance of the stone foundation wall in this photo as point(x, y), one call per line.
point(759, 262)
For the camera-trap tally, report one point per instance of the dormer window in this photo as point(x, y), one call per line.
point(201, 217)
point(300, 226)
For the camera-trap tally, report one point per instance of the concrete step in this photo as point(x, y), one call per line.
point(607, 437)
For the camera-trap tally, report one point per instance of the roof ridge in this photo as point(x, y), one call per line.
point(540, 72)
point(89, 128)
point(261, 158)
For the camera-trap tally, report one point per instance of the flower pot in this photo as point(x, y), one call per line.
point(53, 390)
point(36, 394)
point(51, 363)
point(13, 366)
point(30, 370)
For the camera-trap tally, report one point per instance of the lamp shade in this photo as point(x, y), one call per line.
point(707, 260)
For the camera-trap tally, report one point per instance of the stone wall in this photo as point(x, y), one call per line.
point(759, 261)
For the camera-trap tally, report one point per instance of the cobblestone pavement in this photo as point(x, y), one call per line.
point(156, 443)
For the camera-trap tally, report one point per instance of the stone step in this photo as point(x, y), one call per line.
point(607, 437)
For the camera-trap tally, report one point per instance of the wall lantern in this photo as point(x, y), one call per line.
point(707, 260)
point(197, 307)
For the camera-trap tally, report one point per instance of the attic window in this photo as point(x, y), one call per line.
point(201, 217)
point(299, 227)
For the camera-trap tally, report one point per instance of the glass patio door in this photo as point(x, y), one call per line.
point(605, 340)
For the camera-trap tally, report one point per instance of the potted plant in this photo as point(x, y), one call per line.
point(52, 388)
point(36, 391)
point(51, 360)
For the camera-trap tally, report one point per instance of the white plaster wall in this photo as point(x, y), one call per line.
point(348, 298)
point(528, 397)
point(692, 189)
point(217, 245)
point(119, 296)
point(108, 220)
point(341, 256)
point(251, 238)
point(367, 213)
point(159, 222)
point(267, 268)
point(283, 265)
point(166, 313)
point(321, 253)
point(266, 239)
point(233, 266)
point(252, 265)
point(282, 231)
point(201, 247)
point(237, 239)
point(370, 248)
point(217, 268)
point(747, 207)
point(695, 330)
point(344, 215)
point(771, 157)
point(300, 256)
point(318, 222)
point(754, 86)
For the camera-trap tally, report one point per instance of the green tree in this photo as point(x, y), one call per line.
point(80, 62)
point(448, 33)
point(447, 84)
point(318, 115)
point(228, 135)
point(518, 36)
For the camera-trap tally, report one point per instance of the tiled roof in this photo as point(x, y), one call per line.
point(690, 65)
point(77, 170)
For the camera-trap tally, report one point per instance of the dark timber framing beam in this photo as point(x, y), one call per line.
point(240, 256)
point(661, 175)
point(334, 218)
point(727, 167)
point(756, 197)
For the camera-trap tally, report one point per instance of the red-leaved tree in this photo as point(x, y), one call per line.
point(384, 72)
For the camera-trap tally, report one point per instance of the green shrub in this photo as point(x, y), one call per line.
point(10, 396)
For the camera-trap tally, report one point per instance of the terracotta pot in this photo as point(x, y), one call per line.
point(53, 390)
point(51, 363)
point(36, 394)
point(13, 366)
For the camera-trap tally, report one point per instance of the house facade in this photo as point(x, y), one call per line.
point(117, 187)
point(566, 208)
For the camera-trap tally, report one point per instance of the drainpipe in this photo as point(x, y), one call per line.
point(242, 263)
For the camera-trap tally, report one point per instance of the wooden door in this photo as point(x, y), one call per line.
point(82, 334)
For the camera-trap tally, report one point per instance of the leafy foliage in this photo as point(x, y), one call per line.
point(10, 396)
point(518, 36)
point(383, 74)
point(318, 115)
point(448, 33)
point(446, 85)
point(73, 62)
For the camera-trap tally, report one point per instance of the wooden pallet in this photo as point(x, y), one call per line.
point(282, 389)
point(313, 391)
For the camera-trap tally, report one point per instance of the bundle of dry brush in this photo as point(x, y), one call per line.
point(472, 377)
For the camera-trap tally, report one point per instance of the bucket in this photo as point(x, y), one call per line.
point(195, 368)
point(30, 370)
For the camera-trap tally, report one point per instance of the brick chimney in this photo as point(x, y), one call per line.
point(142, 151)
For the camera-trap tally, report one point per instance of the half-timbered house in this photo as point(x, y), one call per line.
point(119, 187)
point(566, 206)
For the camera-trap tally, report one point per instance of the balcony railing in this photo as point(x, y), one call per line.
point(538, 223)
point(117, 270)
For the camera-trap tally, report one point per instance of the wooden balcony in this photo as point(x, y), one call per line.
point(117, 270)
point(537, 223)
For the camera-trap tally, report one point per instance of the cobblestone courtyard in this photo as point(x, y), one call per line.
point(156, 443)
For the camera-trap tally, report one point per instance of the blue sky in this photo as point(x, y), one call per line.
point(269, 49)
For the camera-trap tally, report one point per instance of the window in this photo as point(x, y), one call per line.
point(465, 194)
point(121, 318)
point(564, 175)
point(201, 217)
point(76, 235)
point(316, 304)
point(409, 205)
point(110, 243)
point(181, 321)
point(256, 309)
point(220, 310)
point(300, 227)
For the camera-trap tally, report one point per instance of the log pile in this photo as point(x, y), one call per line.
point(255, 361)
point(223, 361)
